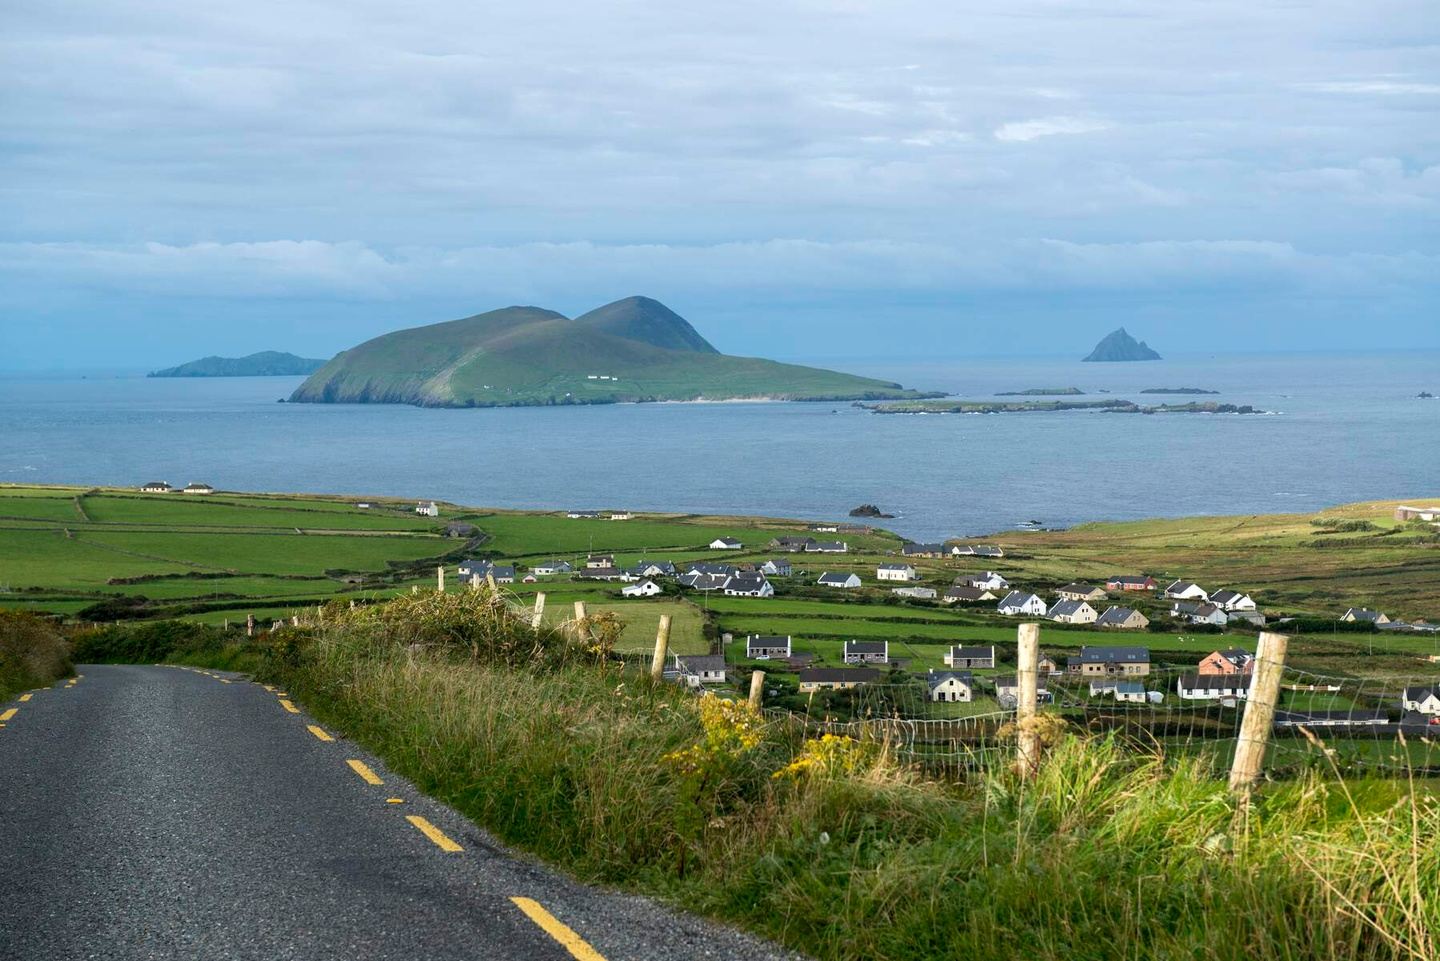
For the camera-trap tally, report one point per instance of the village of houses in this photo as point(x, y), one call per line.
point(973, 676)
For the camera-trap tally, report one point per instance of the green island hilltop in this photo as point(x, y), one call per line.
point(633, 350)
point(267, 363)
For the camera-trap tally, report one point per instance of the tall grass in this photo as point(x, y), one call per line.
point(33, 653)
point(850, 855)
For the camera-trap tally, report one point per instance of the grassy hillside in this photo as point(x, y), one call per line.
point(633, 350)
point(836, 847)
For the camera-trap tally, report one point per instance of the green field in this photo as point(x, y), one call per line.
point(220, 557)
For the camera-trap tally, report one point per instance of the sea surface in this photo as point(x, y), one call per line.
point(1342, 428)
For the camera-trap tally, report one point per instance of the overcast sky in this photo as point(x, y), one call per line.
point(800, 179)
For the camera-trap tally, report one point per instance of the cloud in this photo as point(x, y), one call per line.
point(1026, 130)
point(1383, 87)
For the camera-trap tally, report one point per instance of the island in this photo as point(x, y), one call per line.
point(1118, 345)
point(633, 350)
point(266, 363)
point(1113, 406)
point(1178, 390)
point(1043, 392)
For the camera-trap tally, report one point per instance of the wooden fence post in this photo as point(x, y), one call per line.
point(474, 582)
point(537, 618)
point(440, 579)
point(662, 643)
point(249, 625)
point(1027, 676)
point(757, 689)
point(1259, 711)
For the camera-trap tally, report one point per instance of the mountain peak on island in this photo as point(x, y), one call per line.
point(1118, 345)
point(648, 321)
point(635, 349)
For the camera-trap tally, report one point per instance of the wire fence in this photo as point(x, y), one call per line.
point(1384, 726)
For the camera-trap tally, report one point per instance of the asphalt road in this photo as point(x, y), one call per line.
point(163, 812)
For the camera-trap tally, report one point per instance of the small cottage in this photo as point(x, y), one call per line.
point(762, 647)
point(866, 652)
point(895, 572)
point(951, 686)
point(840, 580)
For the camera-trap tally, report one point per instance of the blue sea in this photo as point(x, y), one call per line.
point(1341, 428)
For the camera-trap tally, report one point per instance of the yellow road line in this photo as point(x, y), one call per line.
point(289, 707)
point(25, 697)
point(7, 715)
point(394, 800)
point(551, 925)
point(319, 732)
point(433, 833)
point(363, 769)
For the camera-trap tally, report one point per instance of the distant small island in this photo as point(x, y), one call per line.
point(1118, 345)
point(1178, 390)
point(634, 350)
point(267, 363)
point(1035, 406)
point(869, 510)
point(1043, 392)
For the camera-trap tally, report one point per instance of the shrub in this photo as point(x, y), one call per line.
point(33, 652)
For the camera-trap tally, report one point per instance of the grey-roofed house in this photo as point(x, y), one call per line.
point(552, 566)
point(1186, 591)
point(701, 581)
point(1007, 691)
point(866, 652)
point(762, 647)
point(792, 544)
point(696, 670)
point(1363, 615)
point(1094, 660)
point(1424, 699)
point(1019, 602)
point(749, 584)
point(654, 569)
point(1123, 619)
point(951, 686)
point(1072, 612)
point(982, 658)
point(841, 580)
point(1076, 591)
point(836, 678)
point(777, 567)
point(1213, 687)
point(922, 550)
point(827, 547)
point(1228, 600)
point(961, 594)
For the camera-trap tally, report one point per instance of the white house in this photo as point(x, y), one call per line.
point(840, 580)
point(697, 670)
point(582, 515)
point(826, 547)
point(1228, 600)
point(762, 647)
point(156, 487)
point(776, 567)
point(1073, 612)
point(1213, 687)
point(645, 588)
point(895, 572)
point(621, 515)
point(1132, 691)
point(1018, 602)
point(988, 580)
point(951, 686)
point(197, 489)
point(725, 544)
point(1186, 591)
point(1353, 615)
point(554, 566)
point(1426, 700)
point(866, 652)
point(747, 584)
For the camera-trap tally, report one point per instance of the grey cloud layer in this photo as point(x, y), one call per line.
point(556, 148)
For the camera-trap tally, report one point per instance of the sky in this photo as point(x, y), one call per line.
point(801, 179)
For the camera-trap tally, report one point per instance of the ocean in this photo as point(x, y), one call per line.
point(1342, 428)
